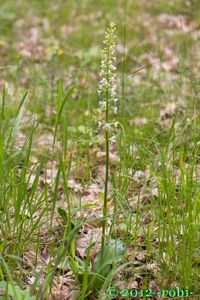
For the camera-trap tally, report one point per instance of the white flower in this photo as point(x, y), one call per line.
point(100, 124)
point(115, 110)
point(112, 139)
point(102, 104)
point(107, 126)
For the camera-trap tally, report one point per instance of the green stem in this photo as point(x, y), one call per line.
point(105, 209)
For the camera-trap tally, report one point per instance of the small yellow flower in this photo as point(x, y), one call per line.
point(53, 51)
point(60, 52)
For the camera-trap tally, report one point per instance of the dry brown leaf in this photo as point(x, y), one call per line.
point(62, 292)
point(176, 21)
point(169, 109)
point(72, 184)
point(91, 237)
point(140, 256)
point(101, 156)
point(132, 285)
point(32, 261)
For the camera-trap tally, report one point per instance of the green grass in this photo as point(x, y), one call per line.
point(154, 187)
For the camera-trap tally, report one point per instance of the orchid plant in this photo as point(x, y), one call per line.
point(108, 107)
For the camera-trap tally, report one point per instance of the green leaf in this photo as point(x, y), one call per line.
point(112, 253)
point(3, 285)
point(16, 125)
point(62, 213)
point(60, 107)
point(7, 15)
point(14, 290)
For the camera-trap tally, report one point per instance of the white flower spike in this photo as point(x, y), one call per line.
point(107, 89)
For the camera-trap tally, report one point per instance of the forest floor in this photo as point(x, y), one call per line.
point(52, 160)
